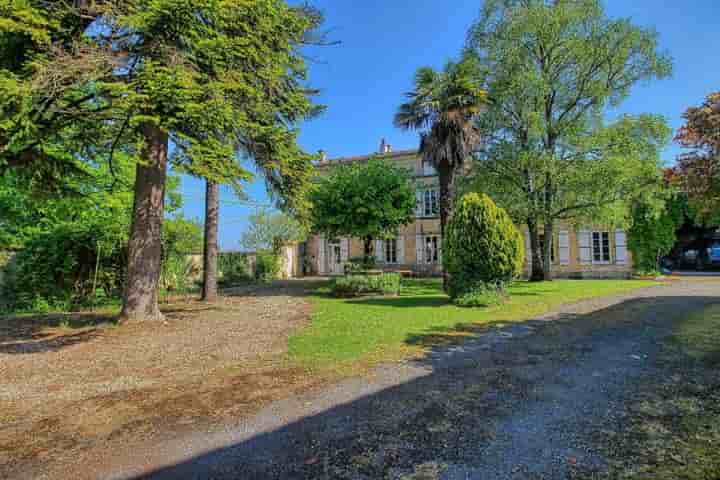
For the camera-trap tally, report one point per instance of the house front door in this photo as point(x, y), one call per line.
point(335, 259)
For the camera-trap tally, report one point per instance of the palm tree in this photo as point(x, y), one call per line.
point(443, 108)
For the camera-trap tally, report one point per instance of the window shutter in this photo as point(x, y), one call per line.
point(419, 204)
point(621, 256)
point(344, 249)
point(528, 249)
point(564, 247)
point(401, 250)
point(321, 256)
point(585, 244)
point(439, 247)
point(419, 249)
point(380, 251)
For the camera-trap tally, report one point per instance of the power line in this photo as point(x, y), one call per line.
point(245, 203)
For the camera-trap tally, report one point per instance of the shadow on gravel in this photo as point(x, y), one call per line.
point(24, 335)
point(514, 401)
point(279, 288)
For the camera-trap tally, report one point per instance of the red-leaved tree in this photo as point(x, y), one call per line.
point(700, 165)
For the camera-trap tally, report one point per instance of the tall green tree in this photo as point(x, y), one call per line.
point(84, 80)
point(553, 69)
point(443, 107)
point(363, 200)
point(653, 229)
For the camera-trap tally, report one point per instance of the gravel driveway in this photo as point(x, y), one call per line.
point(523, 401)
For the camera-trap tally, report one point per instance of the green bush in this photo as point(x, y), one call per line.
point(57, 269)
point(481, 246)
point(267, 266)
point(654, 232)
point(482, 295)
point(233, 269)
point(179, 274)
point(358, 265)
point(355, 285)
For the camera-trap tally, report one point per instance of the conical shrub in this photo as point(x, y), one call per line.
point(482, 245)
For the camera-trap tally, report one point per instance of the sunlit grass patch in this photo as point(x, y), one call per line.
point(699, 334)
point(372, 330)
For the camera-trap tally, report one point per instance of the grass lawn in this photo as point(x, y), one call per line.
point(699, 334)
point(374, 330)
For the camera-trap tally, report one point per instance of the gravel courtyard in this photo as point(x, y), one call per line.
point(547, 399)
point(560, 396)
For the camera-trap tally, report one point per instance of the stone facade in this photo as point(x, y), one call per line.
point(578, 251)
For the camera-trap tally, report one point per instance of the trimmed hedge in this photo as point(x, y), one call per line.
point(357, 285)
point(481, 246)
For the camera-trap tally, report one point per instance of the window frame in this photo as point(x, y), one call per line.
point(431, 203)
point(390, 254)
point(604, 246)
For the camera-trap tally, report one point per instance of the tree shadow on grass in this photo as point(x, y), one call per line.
point(45, 333)
point(402, 302)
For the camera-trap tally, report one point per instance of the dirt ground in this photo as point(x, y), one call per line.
point(71, 385)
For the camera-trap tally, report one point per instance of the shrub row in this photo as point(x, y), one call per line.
point(357, 285)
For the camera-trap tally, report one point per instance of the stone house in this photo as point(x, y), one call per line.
point(589, 251)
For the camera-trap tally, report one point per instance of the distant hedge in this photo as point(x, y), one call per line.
point(356, 285)
point(482, 245)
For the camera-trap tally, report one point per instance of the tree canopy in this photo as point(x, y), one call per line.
point(363, 200)
point(443, 107)
point(653, 230)
point(267, 230)
point(553, 70)
point(83, 77)
point(82, 82)
point(700, 165)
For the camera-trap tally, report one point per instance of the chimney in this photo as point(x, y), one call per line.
point(385, 147)
point(323, 155)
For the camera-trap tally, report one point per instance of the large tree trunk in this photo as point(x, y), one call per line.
point(447, 202)
point(548, 232)
point(537, 274)
point(145, 245)
point(210, 253)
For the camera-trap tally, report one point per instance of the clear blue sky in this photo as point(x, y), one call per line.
point(383, 42)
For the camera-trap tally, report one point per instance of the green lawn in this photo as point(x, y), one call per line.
point(699, 334)
point(382, 329)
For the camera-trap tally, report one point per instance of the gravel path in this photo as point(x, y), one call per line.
point(523, 401)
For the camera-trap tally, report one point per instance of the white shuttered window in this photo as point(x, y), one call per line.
point(585, 247)
point(564, 247)
point(601, 247)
